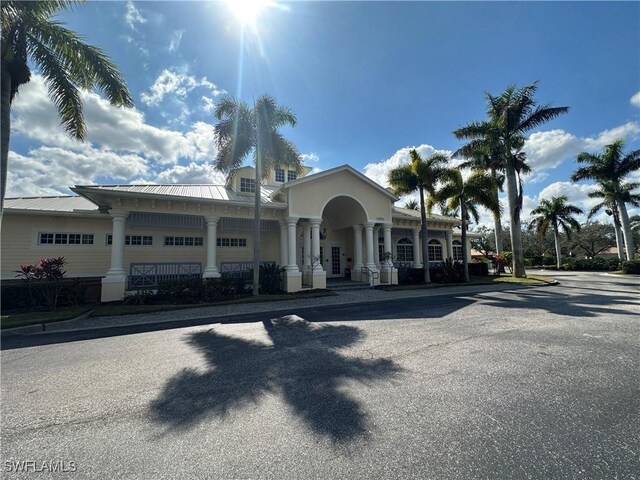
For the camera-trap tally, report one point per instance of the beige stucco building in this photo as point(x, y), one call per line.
point(337, 223)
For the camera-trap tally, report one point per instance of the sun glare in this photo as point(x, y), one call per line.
point(247, 11)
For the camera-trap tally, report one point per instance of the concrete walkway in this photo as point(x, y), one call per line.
point(219, 313)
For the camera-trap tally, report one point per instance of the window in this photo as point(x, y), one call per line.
point(279, 174)
point(45, 238)
point(404, 250)
point(291, 175)
point(435, 250)
point(135, 240)
point(457, 250)
point(247, 185)
point(231, 242)
point(183, 241)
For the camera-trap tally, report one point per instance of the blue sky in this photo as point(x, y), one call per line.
point(367, 80)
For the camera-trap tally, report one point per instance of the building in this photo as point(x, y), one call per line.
point(336, 223)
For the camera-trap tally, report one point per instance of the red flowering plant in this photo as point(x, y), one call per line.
point(44, 278)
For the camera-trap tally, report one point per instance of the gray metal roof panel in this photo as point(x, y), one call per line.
point(51, 204)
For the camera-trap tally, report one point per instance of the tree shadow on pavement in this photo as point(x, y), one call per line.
point(561, 302)
point(303, 365)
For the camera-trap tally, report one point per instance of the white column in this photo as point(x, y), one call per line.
point(449, 236)
point(306, 245)
point(376, 249)
point(117, 245)
point(315, 241)
point(357, 248)
point(369, 241)
point(211, 270)
point(291, 243)
point(388, 248)
point(284, 252)
point(416, 249)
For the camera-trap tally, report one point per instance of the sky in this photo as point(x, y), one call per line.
point(368, 81)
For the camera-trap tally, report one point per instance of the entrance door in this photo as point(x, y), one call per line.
point(333, 266)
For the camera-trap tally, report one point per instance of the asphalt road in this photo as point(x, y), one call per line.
point(534, 383)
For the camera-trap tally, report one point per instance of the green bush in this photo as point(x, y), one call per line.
point(632, 267)
point(450, 271)
point(596, 264)
point(411, 276)
point(479, 269)
point(198, 290)
point(270, 278)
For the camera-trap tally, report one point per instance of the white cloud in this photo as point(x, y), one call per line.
point(108, 127)
point(170, 82)
point(310, 158)
point(547, 150)
point(51, 170)
point(379, 172)
point(208, 104)
point(132, 15)
point(176, 38)
point(120, 146)
point(635, 99)
point(192, 173)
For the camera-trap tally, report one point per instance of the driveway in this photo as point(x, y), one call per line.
point(531, 383)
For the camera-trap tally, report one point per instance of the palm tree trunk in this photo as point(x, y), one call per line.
point(556, 240)
point(423, 234)
point(497, 220)
point(5, 132)
point(256, 227)
point(618, 230)
point(626, 229)
point(514, 223)
point(463, 235)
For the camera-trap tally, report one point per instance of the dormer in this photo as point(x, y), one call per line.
point(242, 180)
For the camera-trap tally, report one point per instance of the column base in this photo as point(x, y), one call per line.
point(319, 279)
point(356, 273)
point(292, 281)
point(113, 287)
point(389, 276)
point(211, 272)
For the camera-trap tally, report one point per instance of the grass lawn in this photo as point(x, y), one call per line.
point(488, 280)
point(31, 318)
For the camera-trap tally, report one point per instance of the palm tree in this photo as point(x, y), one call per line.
point(607, 193)
point(612, 166)
point(420, 175)
point(242, 131)
point(31, 37)
point(511, 115)
point(412, 205)
point(558, 214)
point(465, 195)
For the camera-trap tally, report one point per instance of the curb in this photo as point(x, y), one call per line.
point(40, 329)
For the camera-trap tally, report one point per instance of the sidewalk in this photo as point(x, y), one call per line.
point(222, 313)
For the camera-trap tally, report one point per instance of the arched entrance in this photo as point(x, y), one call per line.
point(342, 221)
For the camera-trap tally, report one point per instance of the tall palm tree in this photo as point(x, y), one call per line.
point(242, 131)
point(465, 196)
point(612, 166)
point(31, 37)
point(607, 193)
point(558, 214)
point(420, 175)
point(511, 115)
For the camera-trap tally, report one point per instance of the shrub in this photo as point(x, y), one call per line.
point(631, 267)
point(479, 269)
point(43, 281)
point(411, 276)
point(139, 297)
point(198, 290)
point(592, 264)
point(450, 271)
point(270, 278)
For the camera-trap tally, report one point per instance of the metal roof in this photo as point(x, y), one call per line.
point(408, 213)
point(50, 204)
point(203, 192)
